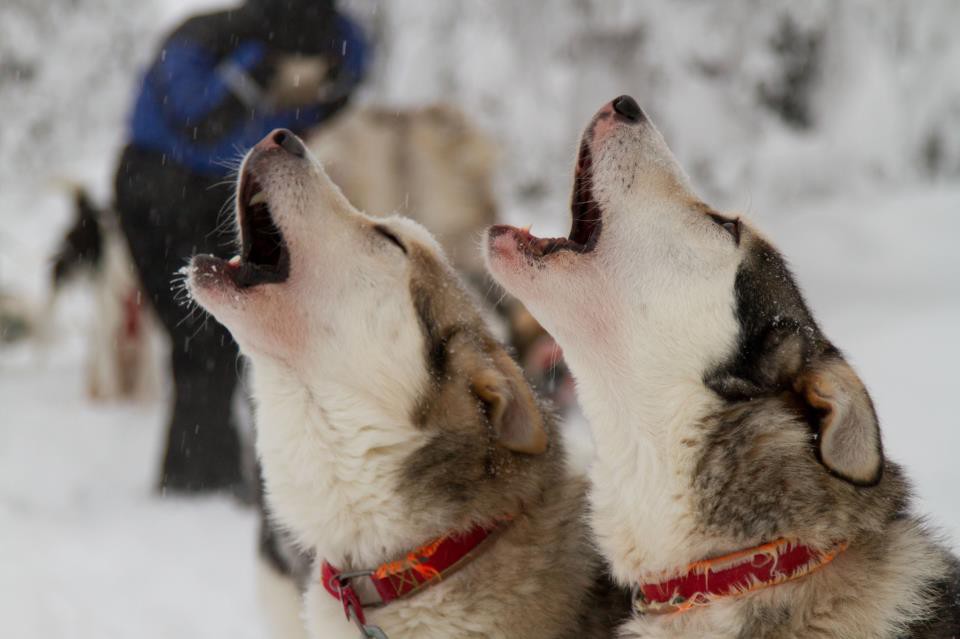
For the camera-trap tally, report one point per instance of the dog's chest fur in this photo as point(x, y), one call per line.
point(642, 509)
point(478, 601)
point(644, 426)
point(733, 478)
point(333, 477)
point(331, 465)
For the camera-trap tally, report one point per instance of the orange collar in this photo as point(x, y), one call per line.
point(732, 575)
point(398, 579)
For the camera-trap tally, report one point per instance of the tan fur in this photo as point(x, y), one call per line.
point(512, 410)
point(298, 80)
point(849, 441)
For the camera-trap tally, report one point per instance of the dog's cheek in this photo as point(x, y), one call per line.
point(275, 329)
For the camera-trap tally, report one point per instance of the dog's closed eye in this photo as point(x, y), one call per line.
point(731, 226)
point(391, 237)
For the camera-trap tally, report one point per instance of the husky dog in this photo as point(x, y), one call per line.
point(739, 484)
point(390, 423)
point(120, 363)
point(430, 163)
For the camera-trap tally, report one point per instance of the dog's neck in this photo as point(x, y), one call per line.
point(331, 461)
point(643, 465)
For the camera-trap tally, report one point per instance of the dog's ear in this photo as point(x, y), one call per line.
point(510, 406)
point(848, 441)
point(777, 357)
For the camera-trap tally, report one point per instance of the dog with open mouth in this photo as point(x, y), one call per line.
point(739, 485)
point(400, 443)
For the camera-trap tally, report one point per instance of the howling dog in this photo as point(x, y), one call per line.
point(739, 486)
point(400, 443)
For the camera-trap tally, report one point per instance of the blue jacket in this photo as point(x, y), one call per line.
point(193, 107)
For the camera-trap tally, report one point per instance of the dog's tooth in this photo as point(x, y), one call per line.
point(234, 261)
point(259, 198)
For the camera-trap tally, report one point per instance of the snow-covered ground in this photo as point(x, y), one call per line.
point(864, 205)
point(86, 549)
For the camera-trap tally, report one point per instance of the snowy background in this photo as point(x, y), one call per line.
point(834, 125)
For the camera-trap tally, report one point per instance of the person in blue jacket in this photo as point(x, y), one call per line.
point(215, 88)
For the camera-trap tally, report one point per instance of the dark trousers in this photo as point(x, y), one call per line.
point(168, 214)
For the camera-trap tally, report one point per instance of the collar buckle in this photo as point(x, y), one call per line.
point(340, 585)
point(366, 630)
point(405, 577)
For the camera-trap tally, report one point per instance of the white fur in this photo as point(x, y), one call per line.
point(639, 318)
point(639, 297)
point(330, 461)
point(428, 162)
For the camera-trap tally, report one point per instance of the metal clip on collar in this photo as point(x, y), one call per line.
point(350, 602)
point(366, 630)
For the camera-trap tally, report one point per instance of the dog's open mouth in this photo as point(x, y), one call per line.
point(585, 213)
point(264, 257)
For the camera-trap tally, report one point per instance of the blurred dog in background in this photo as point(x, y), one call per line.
point(120, 363)
point(430, 163)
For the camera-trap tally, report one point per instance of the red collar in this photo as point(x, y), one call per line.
point(731, 575)
point(398, 579)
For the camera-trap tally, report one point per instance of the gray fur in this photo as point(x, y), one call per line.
point(760, 476)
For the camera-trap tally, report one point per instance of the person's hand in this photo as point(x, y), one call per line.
point(297, 80)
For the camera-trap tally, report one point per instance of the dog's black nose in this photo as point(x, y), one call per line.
point(289, 142)
point(628, 108)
